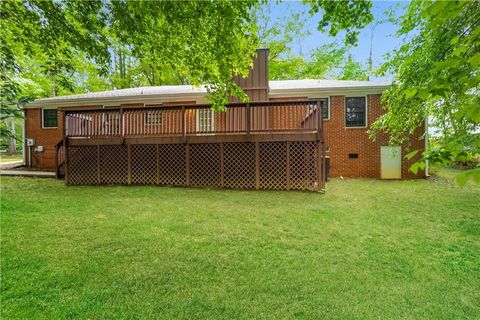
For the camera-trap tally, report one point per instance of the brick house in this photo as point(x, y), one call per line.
point(287, 137)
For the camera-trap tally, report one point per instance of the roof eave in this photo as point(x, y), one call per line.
point(339, 91)
point(131, 99)
point(200, 96)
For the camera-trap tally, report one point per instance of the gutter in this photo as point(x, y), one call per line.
point(200, 96)
point(24, 141)
point(338, 91)
point(131, 99)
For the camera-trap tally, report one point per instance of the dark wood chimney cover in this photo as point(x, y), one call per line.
point(256, 84)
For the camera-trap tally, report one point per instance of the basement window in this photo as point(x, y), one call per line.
point(355, 112)
point(49, 118)
point(353, 156)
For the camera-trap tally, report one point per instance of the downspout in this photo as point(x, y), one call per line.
point(24, 142)
point(426, 144)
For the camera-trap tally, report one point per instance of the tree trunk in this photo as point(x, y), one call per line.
point(12, 145)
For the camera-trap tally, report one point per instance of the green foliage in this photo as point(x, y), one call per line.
point(324, 62)
point(13, 94)
point(473, 174)
point(353, 70)
point(39, 42)
point(327, 61)
point(279, 37)
point(81, 46)
point(68, 46)
point(348, 15)
point(200, 42)
point(436, 76)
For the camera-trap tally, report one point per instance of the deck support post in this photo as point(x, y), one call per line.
point(187, 164)
point(99, 178)
point(248, 119)
point(320, 149)
point(129, 164)
point(222, 165)
point(324, 166)
point(157, 153)
point(319, 166)
point(65, 146)
point(57, 170)
point(122, 125)
point(319, 121)
point(288, 165)
point(257, 165)
point(184, 126)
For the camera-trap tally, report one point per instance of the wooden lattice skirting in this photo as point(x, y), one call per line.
point(246, 165)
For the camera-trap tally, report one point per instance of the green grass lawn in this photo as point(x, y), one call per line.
point(7, 158)
point(364, 250)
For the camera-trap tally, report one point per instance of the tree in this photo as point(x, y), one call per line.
point(324, 62)
point(279, 36)
point(328, 61)
point(437, 76)
point(199, 42)
point(66, 46)
point(42, 37)
point(343, 15)
point(352, 70)
point(14, 94)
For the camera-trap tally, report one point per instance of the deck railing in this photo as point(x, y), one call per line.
point(59, 157)
point(260, 117)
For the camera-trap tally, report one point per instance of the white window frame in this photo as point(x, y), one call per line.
point(43, 120)
point(328, 105)
point(159, 114)
point(198, 121)
point(345, 112)
point(106, 115)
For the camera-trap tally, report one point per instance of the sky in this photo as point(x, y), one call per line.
point(384, 38)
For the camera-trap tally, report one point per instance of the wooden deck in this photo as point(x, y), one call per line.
point(264, 145)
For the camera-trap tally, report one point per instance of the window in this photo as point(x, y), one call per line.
point(356, 111)
point(205, 120)
point(153, 117)
point(325, 108)
point(50, 118)
point(111, 122)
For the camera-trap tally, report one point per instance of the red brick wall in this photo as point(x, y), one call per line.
point(342, 141)
point(46, 137)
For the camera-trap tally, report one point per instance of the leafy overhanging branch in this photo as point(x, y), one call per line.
point(436, 76)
